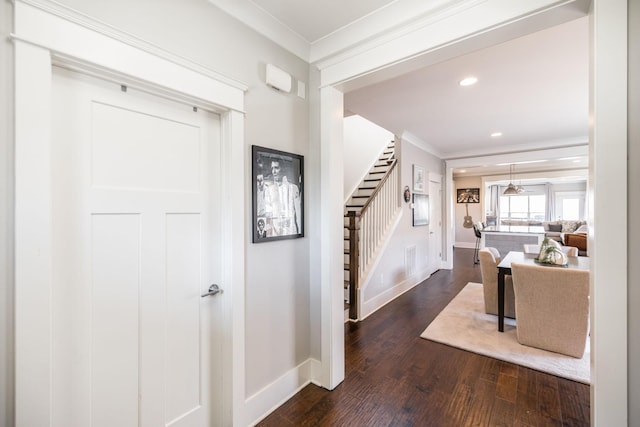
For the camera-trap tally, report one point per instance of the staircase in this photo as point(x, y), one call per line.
point(368, 213)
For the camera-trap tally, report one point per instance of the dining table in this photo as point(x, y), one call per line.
point(517, 257)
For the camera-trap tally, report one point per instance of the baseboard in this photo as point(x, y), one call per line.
point(261, 404)
point(376, 303)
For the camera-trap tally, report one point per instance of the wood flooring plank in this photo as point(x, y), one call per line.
point(507, 387)
point(459, 404)
point(481, 405)
point(503, 413)
point(549, 398)
point(574, 403)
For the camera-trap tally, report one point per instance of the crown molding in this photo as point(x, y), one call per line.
point(266, 24)
point(411, 138)
point(578, 143)
point(389, 22)
point(382, 26)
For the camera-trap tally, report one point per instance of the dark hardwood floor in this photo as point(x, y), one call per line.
point(395, 378)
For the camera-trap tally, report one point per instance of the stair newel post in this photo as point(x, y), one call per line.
point(354, 260)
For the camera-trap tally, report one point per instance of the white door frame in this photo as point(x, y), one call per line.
point(435, 180)
point(480, 24)
point(44, 36)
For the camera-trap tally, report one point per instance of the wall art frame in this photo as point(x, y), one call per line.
point(418, 178)
point(468, 195)
point(420, 209)
point(277, 180)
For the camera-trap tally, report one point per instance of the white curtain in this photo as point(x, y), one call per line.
point(494, 201)
point(551, 204)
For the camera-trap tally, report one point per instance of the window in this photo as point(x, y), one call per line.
point(523, 207)
point(570, 205)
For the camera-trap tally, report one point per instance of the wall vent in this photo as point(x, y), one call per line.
point(410, 260)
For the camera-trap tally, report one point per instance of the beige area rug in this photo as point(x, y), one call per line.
point(464, 324)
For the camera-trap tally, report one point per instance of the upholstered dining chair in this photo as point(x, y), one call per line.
point(535, 249)
point(489, 260)
point(552, 304)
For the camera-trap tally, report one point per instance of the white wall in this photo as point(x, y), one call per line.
point(465, 237)
point(277, 305)
point(363, 143)
point(388, 279)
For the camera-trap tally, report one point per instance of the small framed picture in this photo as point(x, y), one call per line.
point(418, 178)
point(420, 209)
point(278, 185)
point(468, 195)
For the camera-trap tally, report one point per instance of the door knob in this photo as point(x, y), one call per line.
point(213, 289)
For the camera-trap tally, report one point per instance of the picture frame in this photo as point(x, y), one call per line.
point(420, 209)
point(418, 178)
point(277, 180)
point(468, 195)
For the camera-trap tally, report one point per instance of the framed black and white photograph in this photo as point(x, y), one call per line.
point(468, 195)
point(418, 178)
point(420, 209)
point(278, 184)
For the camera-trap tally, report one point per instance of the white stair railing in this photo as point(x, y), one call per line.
point(376, 217)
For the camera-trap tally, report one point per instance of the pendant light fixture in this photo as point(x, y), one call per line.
point(511, 189)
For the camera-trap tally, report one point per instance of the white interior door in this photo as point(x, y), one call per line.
point(435, 222)
point(135, 244)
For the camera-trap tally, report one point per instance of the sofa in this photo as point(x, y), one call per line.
point(555, 229)
point(568, 233)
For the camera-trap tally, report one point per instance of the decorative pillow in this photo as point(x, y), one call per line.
point(570, 226)
point(583, 229)
point(556, 228)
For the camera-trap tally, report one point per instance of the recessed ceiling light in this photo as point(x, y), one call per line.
point(496, 134)
point(468, 81)
point(462, 170)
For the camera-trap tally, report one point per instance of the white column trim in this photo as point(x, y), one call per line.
point(608, 213)
point(331, 237)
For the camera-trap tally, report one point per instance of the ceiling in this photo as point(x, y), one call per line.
point(534, 89)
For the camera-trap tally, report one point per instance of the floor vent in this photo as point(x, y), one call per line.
point(410, 261)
